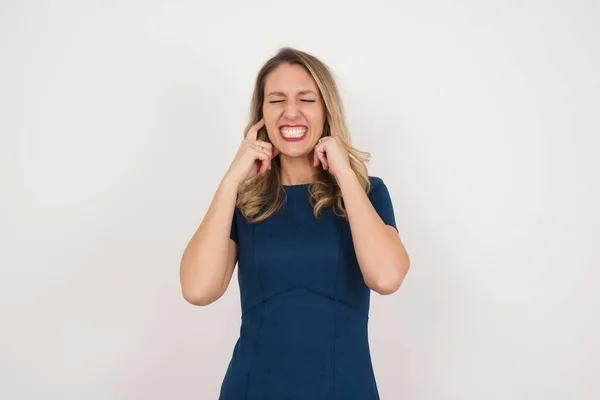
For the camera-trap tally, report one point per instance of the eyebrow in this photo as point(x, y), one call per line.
point(299, 93)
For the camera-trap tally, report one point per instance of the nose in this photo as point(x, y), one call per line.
point(291, 110)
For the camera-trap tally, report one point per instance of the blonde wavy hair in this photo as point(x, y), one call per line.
point(262, 196)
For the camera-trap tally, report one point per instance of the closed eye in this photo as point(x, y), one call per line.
point(281, 101)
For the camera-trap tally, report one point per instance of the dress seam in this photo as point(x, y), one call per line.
point(265, 299)
point(337, 271)
point(256, 265)
point(262, 315)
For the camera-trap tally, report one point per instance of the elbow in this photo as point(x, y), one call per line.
point(199, 297)
point(390, 284)
point(198, 301)
point(387, 287)
point(196, 289)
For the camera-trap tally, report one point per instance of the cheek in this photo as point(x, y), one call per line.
point(316, 122)
point(272, 133)
point(270, 121)
point(270, 114)
point(315, 115)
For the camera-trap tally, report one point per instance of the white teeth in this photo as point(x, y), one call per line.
point(293, 133)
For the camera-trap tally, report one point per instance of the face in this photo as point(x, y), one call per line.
point(293, 110)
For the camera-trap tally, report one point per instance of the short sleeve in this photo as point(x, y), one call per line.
point(233, 234)
point(382, 201)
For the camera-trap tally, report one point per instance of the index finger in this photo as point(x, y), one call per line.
point(253, 131)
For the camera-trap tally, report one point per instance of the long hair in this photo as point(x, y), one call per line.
point(260, 197)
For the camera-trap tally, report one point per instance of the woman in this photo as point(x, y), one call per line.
point(311, 232)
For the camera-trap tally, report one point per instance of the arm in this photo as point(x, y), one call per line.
point(382, 258)
point(210, 257)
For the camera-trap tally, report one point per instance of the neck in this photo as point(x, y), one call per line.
point(297, 170)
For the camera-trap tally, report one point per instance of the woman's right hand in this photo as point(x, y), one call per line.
point(253, 157)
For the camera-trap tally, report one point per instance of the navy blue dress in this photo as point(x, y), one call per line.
point(305, 305)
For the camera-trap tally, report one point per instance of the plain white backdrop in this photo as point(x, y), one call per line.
point(119, 118)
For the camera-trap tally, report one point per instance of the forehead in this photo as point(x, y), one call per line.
point(289, 79)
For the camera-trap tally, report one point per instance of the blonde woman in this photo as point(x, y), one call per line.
point(312, 234)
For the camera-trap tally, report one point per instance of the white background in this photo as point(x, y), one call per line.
point(119, 118)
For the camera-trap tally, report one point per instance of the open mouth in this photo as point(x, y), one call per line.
point(293, 133)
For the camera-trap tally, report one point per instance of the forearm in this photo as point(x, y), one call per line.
point(204, 261)
point(380, 253)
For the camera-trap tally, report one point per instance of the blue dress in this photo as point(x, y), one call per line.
point(305, 305)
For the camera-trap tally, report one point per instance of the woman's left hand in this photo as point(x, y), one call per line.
point(332, 154)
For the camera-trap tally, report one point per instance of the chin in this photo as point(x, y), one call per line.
point(294, 152)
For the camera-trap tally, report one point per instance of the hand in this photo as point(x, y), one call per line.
point(253, 157)
point(332, 154)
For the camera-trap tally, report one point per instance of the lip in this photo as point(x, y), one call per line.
point(293, 126)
